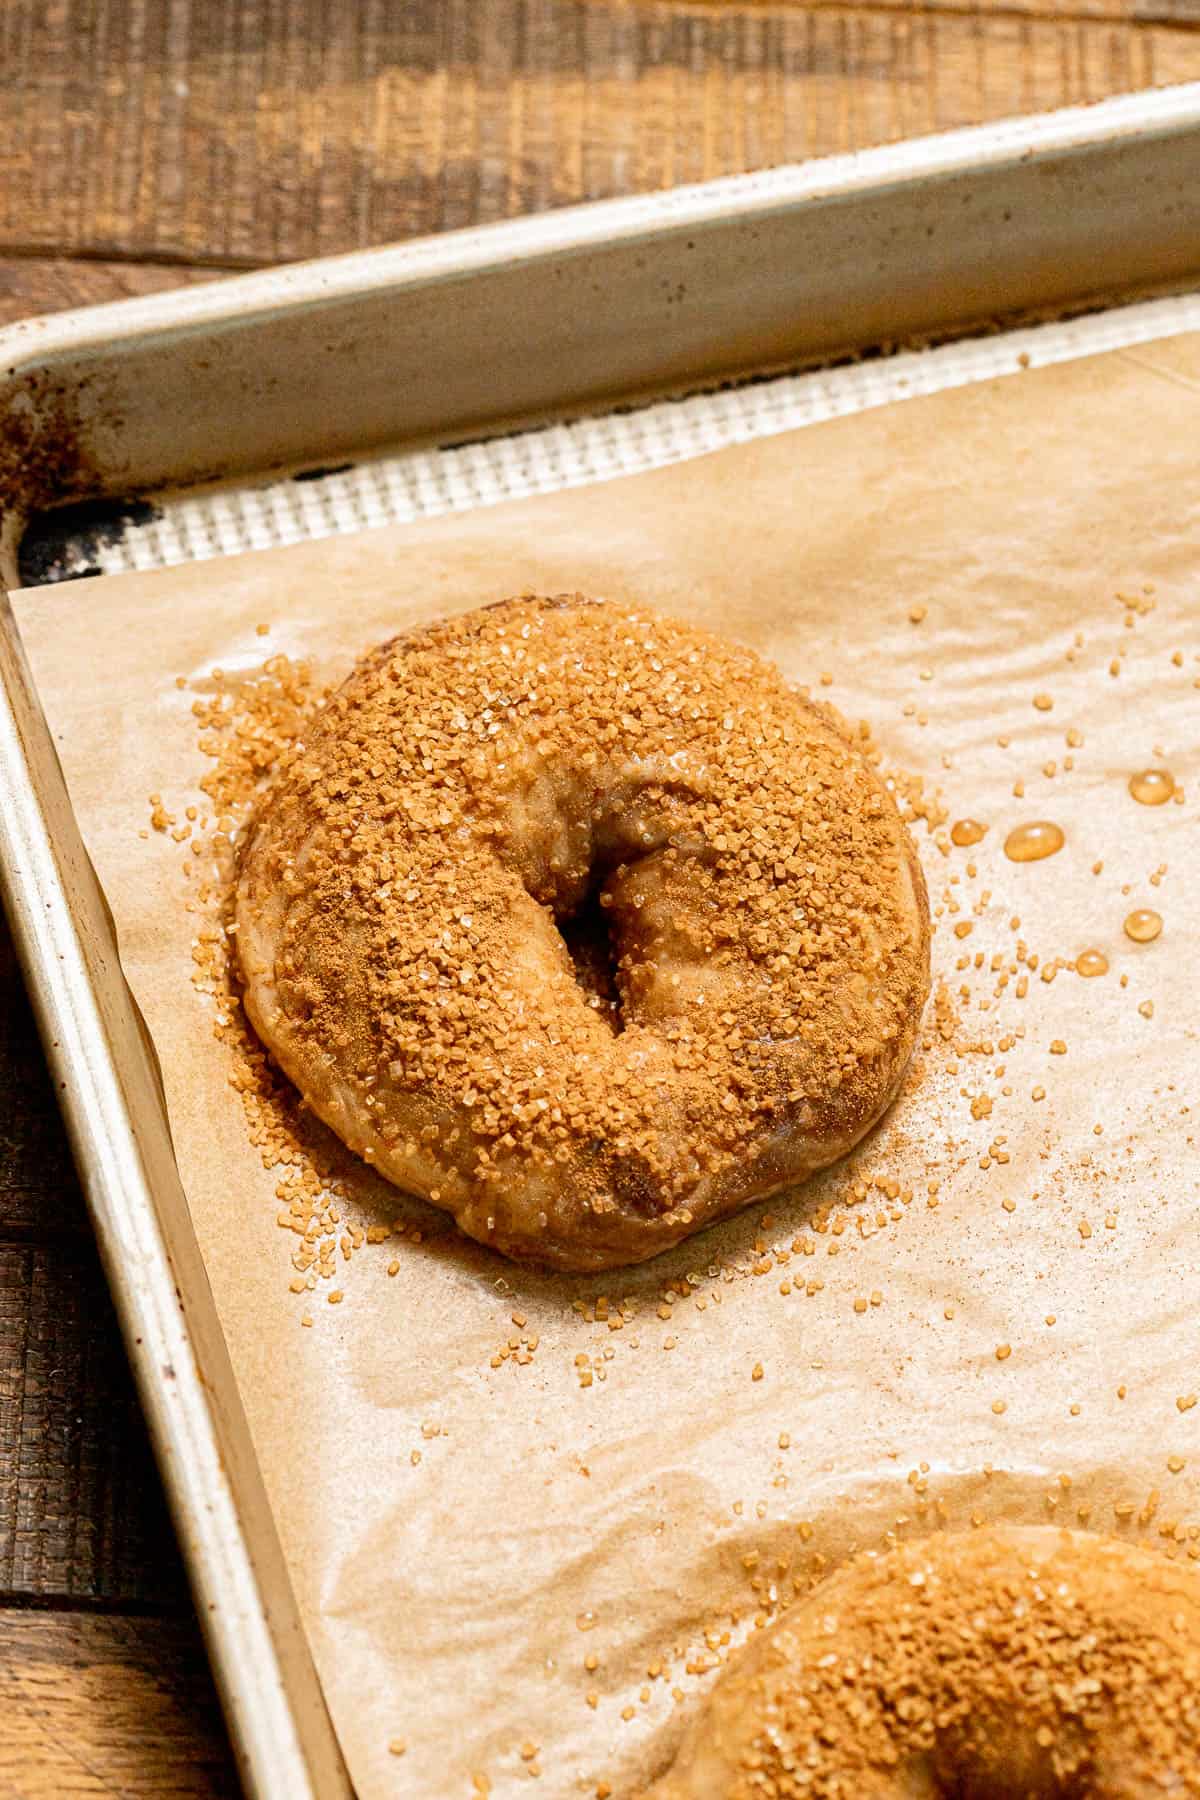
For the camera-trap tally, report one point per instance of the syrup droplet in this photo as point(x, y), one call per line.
point(1091, 962)
point(1030, 843)
point(1152, 787)
point(966, 831)
point(1143, 926)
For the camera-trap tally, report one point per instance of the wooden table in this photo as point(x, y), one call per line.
point(144, 143)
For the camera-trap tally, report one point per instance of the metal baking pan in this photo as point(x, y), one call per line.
point(473, 334)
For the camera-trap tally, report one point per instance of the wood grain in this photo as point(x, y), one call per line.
point(81, 1511)
point(81, 1507)
point(38, 1194)
point(92, 1705)
point(43, 284)
point(243, 131)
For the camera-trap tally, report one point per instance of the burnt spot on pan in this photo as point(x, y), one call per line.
point(68, 542)
point(44, 461)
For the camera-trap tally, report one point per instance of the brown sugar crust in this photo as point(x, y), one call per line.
point(744, 947)
point(1021, 1663)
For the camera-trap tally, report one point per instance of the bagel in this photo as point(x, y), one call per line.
point(584, 926)
point(1020, 1664)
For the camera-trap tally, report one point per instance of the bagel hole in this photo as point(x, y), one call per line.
point(585, 932)
point(1000, 1787)
point(1029, 1774)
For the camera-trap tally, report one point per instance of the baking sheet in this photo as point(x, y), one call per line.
point(464, 1536)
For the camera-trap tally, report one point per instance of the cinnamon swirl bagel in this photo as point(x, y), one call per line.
point(583, 925)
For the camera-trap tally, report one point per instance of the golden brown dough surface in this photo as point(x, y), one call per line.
point(1018, 1664)
point(743, 955)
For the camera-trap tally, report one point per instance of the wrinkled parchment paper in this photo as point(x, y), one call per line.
point(453, 1599)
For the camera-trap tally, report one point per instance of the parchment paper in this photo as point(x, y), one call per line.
point(452, 1600)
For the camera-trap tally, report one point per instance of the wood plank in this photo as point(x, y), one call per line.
point(94, 1705)
point(237, 131)
point(38, 1191)
point(81, 1508)
point(43, 284)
